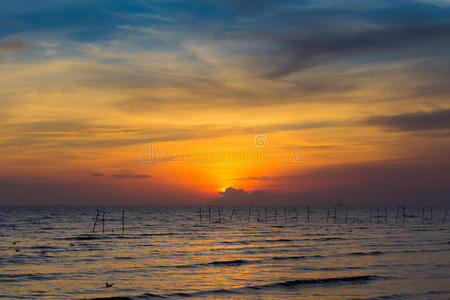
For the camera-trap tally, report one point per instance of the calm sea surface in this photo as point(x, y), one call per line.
point(167, 252)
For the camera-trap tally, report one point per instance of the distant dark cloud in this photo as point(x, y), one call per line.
point(299, 54)
point(94, 174)
point(12, 45)
point(130, 176)
point(122, 176)
point(232, 196)
point(255, 178)
point(435, 120)
point(303, 35)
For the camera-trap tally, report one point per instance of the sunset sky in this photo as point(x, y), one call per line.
point(224, 102)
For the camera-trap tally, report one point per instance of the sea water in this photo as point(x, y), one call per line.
point(251, 253)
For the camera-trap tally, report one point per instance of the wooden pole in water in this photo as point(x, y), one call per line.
point(397, 212)
point(445, 215)
point(296, 215)
point(123, 221)
point(370, 216)
point(385, 215)
point(328, 214)
point(285, 215)
point(275, 215)
point(378, 215)
point(266, 214)
point(103, 222)
point(200, 213)
point(209, 213)
point(249, 214)
point(257, 219)
point(96, 219)
point(307, 213)
point(231, 216)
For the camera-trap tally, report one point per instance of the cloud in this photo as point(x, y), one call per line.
point(258, 178)
point(86, 134)
point(306, 36)
point(232, 196)
point(418, 121)
point(296, 55)
point(12, 45)
point(130, 176)
point(94, 174)
point(122, 176)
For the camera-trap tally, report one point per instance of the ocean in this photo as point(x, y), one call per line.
point(251, 253)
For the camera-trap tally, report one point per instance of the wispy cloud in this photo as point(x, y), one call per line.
point(95, 174)
point(417, 121)
point(130, 176)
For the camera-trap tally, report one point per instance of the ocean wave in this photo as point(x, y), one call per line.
point(288, 257)
point(236, 262)
point(365, 253)
point(328, 239)
point(26, 277)
point(290, 284)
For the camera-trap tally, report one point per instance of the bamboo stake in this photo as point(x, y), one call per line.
point(96, 219)
point(231, 216)
point(307, 213)
point(123, 221)
point(103, 222)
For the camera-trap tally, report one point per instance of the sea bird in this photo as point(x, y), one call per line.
point(107, 285)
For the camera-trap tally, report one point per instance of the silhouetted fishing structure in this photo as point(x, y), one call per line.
point(291, 215)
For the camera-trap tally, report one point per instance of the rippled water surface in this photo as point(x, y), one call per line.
point(167, 252)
